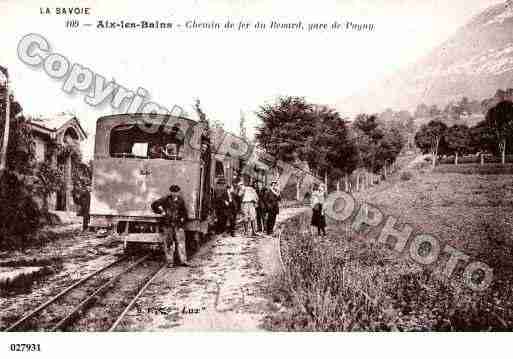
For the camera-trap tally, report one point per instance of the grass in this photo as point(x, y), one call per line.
point(344, 283)
point(322, 292)
point(475, 159)
point(476, 168)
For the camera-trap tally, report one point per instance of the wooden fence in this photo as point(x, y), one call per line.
point(361, 180)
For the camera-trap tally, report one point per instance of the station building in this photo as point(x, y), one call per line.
point(63, 129)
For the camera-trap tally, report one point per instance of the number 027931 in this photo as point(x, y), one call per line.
point(25, 347)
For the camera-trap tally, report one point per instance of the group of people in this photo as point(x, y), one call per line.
point(257, 205)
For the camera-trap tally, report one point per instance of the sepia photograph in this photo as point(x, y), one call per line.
point(259, 170)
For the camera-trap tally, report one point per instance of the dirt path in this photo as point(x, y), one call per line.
point(224, 290)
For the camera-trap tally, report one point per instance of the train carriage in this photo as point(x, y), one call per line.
point(136, 159)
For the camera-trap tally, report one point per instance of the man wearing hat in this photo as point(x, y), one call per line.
point(261, 208)
point(172, 223)
point(227, 209)
point(84, 201)
point(272, 200)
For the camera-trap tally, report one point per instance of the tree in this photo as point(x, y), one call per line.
point(19, 211)
point(396, 137)
point(379, 141)
point(482, 138)
point(288, 127)
point(293, 129)
point(330, 149)
point(458, 140)
point(404, 125)
point(500, 120)
point(26, 184)
point(47, 180)
point(369, 135)
point(19, 150)
point(430, 138)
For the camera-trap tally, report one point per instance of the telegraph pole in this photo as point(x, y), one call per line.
point(5, 140)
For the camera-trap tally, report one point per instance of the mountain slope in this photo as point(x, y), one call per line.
point(474, 62)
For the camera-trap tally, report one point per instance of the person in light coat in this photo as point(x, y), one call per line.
point(249, 198)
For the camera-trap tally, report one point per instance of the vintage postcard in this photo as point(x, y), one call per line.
point(169, 168)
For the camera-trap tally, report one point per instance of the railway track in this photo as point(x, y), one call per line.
point(97, 302)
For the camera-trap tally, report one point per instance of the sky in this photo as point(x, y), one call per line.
point(228, 71)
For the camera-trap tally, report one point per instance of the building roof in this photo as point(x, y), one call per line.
point(58, 123)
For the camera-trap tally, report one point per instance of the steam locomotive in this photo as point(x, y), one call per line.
point(136, 159)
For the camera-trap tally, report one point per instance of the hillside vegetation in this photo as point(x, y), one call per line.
point(344, 282)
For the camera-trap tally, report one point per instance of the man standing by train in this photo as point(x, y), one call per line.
point(85, 205)
point(261, 209)
point(173, 222)
point(227, 211)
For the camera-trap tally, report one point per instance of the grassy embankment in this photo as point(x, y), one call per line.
point(344, 282)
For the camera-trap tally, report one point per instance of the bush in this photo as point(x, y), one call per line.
point(323, 292)
point(20, 214)
point(341, 283)
point(26, 184)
